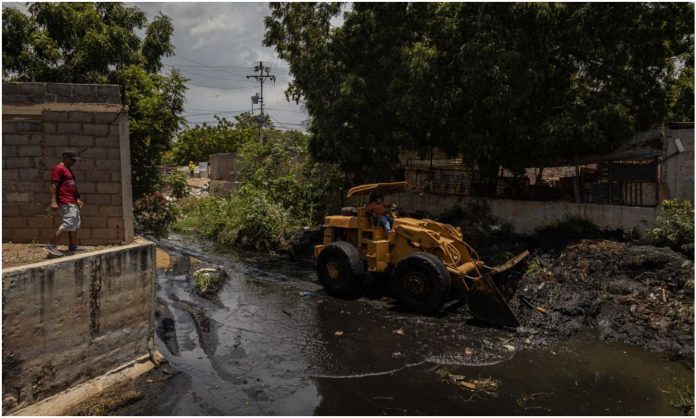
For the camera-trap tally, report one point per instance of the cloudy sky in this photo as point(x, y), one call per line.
point(216, 47)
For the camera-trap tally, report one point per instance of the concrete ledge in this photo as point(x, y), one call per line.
point(61, 403)
point(68, 320)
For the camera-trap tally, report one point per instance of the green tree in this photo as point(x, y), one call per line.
point(98, 43)
point(512, 84)
point(199, 142)
point(248, 121)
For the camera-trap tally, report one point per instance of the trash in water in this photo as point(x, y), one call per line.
point(540, 309)
point(338, 333)
point(399, 331)
point(508, 347)
point(305, 294)
point(469, 351)
point(397, 355)
point(468, 385)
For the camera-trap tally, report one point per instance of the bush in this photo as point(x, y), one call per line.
point(177, 181)
point(247, 219)
point(154, 213)
point(675, 226)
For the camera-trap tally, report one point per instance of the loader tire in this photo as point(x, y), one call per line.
point(340, 270)
point(421, 282)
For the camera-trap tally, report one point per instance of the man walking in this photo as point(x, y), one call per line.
point(66, 199)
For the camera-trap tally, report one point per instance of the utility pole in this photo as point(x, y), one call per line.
point(263, 74)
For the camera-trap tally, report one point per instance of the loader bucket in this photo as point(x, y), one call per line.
point(485, 300)
point(487, 303)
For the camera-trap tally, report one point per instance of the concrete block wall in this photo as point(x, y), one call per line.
point(526, 215)
point(40, 120)
point(68, 320)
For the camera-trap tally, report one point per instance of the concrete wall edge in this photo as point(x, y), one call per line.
point(139, 242)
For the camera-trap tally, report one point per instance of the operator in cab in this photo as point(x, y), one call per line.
point(377, 207)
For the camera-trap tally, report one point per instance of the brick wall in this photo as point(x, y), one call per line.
point(40, 120)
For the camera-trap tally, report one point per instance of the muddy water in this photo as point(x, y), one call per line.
point(273, 344)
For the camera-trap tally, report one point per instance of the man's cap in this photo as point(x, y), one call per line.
point(71, 154)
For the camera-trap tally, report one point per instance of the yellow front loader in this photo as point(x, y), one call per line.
point(428, 262)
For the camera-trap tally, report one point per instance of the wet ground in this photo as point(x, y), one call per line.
point(272, 343)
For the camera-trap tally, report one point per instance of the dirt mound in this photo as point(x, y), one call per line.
point(641, 295)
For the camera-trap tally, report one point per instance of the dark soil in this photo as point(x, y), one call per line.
point(638, 294)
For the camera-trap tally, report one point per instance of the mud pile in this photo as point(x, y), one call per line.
point(640, 295)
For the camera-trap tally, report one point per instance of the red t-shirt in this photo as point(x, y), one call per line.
point(67, 189)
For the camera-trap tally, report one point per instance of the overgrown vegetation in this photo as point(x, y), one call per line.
point(675, 226)
point(177, 181)
point(154, 214)
point(282, 190)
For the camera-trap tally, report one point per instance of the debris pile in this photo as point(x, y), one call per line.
point(637, 294)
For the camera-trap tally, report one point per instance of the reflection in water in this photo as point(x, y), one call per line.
point(270, 348)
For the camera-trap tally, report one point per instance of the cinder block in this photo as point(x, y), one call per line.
point(81, 141)
point(116, 176)
point(85, 164)
point(16, 139)
point(8, 127)
point(54, 116)
point(110, 142)
point(108, 188)
point(10, 210)
point(49, 128)
point(32, 88)
point(99, 176)
point(41, 221)
point(89, 210)
point(115, 223)
point(95, 129)
point(69, 128)
point(19, 162)
point(59, 89)
point(106, 117)
point(108, 99)
point(28, 151)
point(100, 199)
point(95, 153)
point(81, 117)
point(86, 187)
point(10, 174)
point(9, 151)
point(18, 197)
point(105, 233)
point(84, 89)
point(28, 126)
point(9, 88)
point(56, 140)
point(14, 221)
point(110, 211)
point(29, 174)
point(94, 222)
point(108, 90)
point(26, 235)
point(114, 164)
point(114, 154)
point(84, 234)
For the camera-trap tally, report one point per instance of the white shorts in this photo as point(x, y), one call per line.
point(71, 218)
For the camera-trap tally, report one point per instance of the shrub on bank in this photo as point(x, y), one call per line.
point(154, 213)
point(675, 226)
point(177, 181)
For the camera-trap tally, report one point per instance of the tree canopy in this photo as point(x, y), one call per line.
point(199, 142)
point(98, 43)
point(511, 84)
